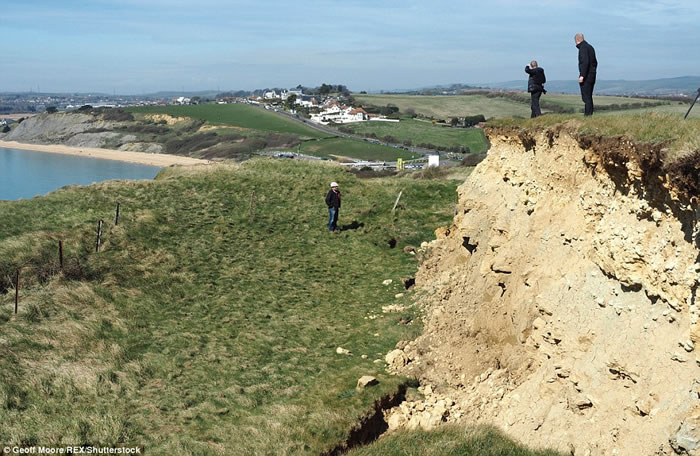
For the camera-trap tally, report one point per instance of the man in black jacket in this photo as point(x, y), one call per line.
point(333, 203)
point(535, 85)
point(587, 68)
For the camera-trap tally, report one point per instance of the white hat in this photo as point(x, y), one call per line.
point(334, 184)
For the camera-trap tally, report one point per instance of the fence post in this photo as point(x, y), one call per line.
point(99, 236)
point(60, 254)
point(393, 209)
point(16, 289)
point(116, 216)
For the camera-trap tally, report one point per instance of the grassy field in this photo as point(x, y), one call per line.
point(574, 101)
point(675, 109)
point(442, 107)
point(450, 440)
point(419, 131)
point(237, 115)
point(200, 328)
point(342, 147)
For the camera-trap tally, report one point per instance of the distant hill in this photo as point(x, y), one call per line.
point(685, 85)
point(432, 90)
point(174, 94)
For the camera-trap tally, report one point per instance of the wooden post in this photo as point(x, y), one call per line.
point(397, 202)
point(99, 236)
point(60, 254)
point(251, 214)
point(116, 217)
point(16, 289)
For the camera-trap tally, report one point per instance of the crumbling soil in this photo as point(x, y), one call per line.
point(561, 304)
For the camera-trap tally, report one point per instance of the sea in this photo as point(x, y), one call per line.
point(26, 174)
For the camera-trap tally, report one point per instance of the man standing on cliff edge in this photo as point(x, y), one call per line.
point(535, 85)
point(587, 68)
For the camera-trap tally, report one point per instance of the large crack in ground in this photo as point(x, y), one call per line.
point(372, 425)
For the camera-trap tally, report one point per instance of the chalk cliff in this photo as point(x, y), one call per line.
point(561, 304)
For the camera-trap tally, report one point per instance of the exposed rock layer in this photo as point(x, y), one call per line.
point(562, 302)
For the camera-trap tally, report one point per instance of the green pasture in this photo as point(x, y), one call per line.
point(674, 108)
point(443, 107)
point(208, 322)
point(235, 115)
point(362, 150)
point(421, 131)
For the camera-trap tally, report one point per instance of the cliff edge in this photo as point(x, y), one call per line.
point(561, 304)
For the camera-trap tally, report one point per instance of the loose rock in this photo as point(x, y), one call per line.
point(365, 381)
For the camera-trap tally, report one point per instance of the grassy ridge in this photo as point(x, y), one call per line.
point(680, 136)
point(239, 115)
point(198, 330)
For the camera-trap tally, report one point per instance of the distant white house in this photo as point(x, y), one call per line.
point(345, 114)
point(306, 101)
point(182, 101)
point(270, 95)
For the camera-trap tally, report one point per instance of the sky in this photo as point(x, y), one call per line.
point(144, 46)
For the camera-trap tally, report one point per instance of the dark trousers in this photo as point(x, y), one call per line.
point(587, 94)
point(535, 104)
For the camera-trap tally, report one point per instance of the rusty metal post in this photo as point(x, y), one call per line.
point(99, 236)
point(116, 216)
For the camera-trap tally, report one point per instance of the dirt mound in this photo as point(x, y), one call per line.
point(561, 304)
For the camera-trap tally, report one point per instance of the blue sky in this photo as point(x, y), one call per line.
point(140, 46)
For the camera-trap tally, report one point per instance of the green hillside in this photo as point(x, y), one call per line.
point(201, 325)
point(236, 115)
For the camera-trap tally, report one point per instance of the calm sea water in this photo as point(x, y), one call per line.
point(25, 174)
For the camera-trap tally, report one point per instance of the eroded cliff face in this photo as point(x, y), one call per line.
point(561, 305)
point(78, 130)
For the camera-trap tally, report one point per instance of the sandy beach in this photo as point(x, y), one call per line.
point(109, 154)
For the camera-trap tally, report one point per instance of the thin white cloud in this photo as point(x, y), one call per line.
point(658, 12)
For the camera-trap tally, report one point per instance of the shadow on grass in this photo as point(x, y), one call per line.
point(352, 226)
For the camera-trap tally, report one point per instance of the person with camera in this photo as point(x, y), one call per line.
point(535, 85)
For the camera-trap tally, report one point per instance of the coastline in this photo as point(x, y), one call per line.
point(141, 158)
